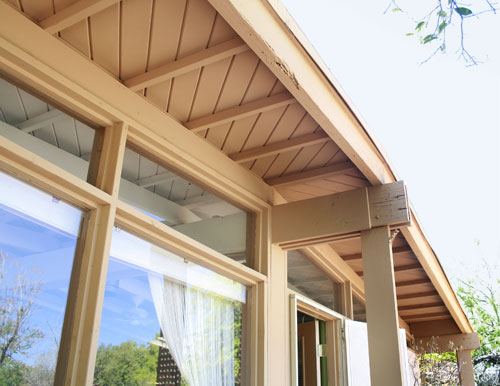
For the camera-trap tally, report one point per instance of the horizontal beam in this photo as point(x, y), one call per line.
point(198, 201)
point(187, 64)
point(313, 174)
point(240, 112)
point(129, 192)
point(417, 295)
point(280, 147)
point(447, 343)
point(157, 179)
point(395, 251)
point(419, 317)
point(74, 13)
point(226, 235)
point(322, 219)
point(42, 120)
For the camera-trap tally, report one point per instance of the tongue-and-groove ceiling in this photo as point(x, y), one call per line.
point(185, 59)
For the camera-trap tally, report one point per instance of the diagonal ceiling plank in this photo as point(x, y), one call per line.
point(279, 147)
point(313, 174)
point(242, 111)
point(73, 14)
point(187, 64)
point(157, 179)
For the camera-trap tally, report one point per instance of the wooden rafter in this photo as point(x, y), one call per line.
point(187, 64)
point(411, 318)
point(314, 174)
point(401, 268)
point(42, 120)
point(73, 14)
point(242, 111)
point(395, 251)
point(420, 306)
point(409, 283)
point(417, 295)
point(280, 147)
point(195, 202)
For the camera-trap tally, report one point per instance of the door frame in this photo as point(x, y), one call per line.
point(336, 363)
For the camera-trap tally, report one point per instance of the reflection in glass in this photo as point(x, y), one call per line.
point(167, 321)
point(38, 235)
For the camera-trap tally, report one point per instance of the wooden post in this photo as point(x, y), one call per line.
point(346, 299)
point(465, 367)
point(76, 358)
point(381, 308)
point(278, 320)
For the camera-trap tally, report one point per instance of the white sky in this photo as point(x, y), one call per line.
point(439, 122)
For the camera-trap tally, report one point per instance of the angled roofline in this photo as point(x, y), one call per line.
point(270, 31)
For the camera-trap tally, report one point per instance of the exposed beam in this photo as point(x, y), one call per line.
point(187, 64)
point(417, 295)
point(42, 120)
point(300, 223)
point(74, 13)
point(242, 111)
point(395, 251)
point(157, 179)
point(408, 283)
point(447, 343)
point(129, 192)
point(420, 306)
point(280, 147)
point(314, 174)
point(196, 202)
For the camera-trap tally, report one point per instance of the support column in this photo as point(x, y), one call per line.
point(278, 319)
point(346, 299)
point(465, 367)
point(381, 308)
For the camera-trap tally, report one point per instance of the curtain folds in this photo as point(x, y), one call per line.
point(199, 328)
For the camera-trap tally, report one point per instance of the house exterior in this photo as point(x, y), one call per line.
point(210, 153)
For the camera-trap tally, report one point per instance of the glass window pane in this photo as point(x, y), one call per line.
point(188, 208)
point(45, 130)
point(38, 235)
point(165, 319)
point(307, 279)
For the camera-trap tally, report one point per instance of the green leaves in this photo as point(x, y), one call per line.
point(419, 26)
point(462, 11)
point(442, 26)
point(429, 38)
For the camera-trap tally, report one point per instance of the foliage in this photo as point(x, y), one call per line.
point(432, 28)
point(127, 364)
point(11, 372)
point(481, 299)
point(17, 296)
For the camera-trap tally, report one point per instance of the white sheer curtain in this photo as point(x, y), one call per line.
point(199, 328)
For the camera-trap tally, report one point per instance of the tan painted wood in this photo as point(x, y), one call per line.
point(420, 306)
point(401, 268)
point(321, 219)
point(415, 295)
point(324, 172)
point(278, 323)
point(409, 283)
point(65, 76)
point(447, 343)
point(111, 159)
point(381, 311)
point(433, 269)
point(346, 299)
point(294, 376)
point(395, 251)
point(278, 147)
point(333, 353)
point(74, 13)
point(187, 64)
point(465, 368)
point(389, 204)
point(80, 334)
point(434, 328)
point(239, 112)
point(38, 171)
